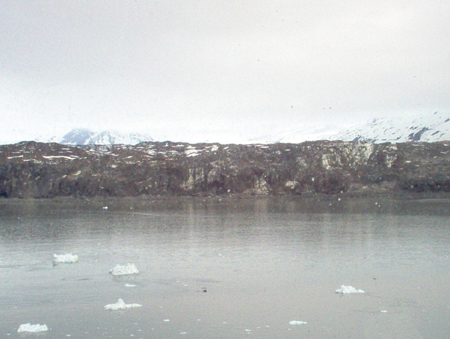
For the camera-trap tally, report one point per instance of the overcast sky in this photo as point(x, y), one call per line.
point(244, 66)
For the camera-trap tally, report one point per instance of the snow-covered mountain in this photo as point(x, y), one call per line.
point(429, 128)
point(81, 136)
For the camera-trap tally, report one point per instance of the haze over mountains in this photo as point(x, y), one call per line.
point(427, 128)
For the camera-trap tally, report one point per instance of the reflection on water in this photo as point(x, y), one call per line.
point(227, 269)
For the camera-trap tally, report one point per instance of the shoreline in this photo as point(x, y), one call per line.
point(407, 196)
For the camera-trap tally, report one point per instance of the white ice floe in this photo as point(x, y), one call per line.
point(65, 258)
point(32, 328)
point(120, 305)
point(124, 269)
point(297, 322)
point(348, 289)
point(130, 285)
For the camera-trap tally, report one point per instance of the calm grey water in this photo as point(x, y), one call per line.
point(263, 263)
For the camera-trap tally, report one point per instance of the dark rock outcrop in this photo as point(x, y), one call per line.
point(45, 170)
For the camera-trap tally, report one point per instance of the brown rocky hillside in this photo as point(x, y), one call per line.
point(46, 170)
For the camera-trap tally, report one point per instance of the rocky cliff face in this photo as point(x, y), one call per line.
point(45, 170)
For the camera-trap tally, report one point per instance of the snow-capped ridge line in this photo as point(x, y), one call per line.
point(426, 128)
point(430, 127)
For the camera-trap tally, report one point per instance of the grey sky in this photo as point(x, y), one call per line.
point(218, 65)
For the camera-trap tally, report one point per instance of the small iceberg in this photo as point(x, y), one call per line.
point(124, 269)
point(297, 322)
point(120, 305)
point(65, 258)
point(32, 328)
point(348, 289)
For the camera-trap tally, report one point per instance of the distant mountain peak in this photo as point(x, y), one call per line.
point(78, 136)
point(84, 136)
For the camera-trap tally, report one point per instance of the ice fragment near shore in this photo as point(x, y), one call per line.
point(32, 328)
point(124, 269)
point(348, 289)
point(120, 305)
point(65, 258)
point(297, 322)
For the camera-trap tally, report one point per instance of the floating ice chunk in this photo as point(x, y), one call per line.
point(130, 285)
point(124, 269)
point(348, 289)
point(297, 322)
point(120, 305)
point(32, 328)
point(65, 258)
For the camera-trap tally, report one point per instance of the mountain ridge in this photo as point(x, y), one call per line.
point(431, 127)
point(426, 128)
